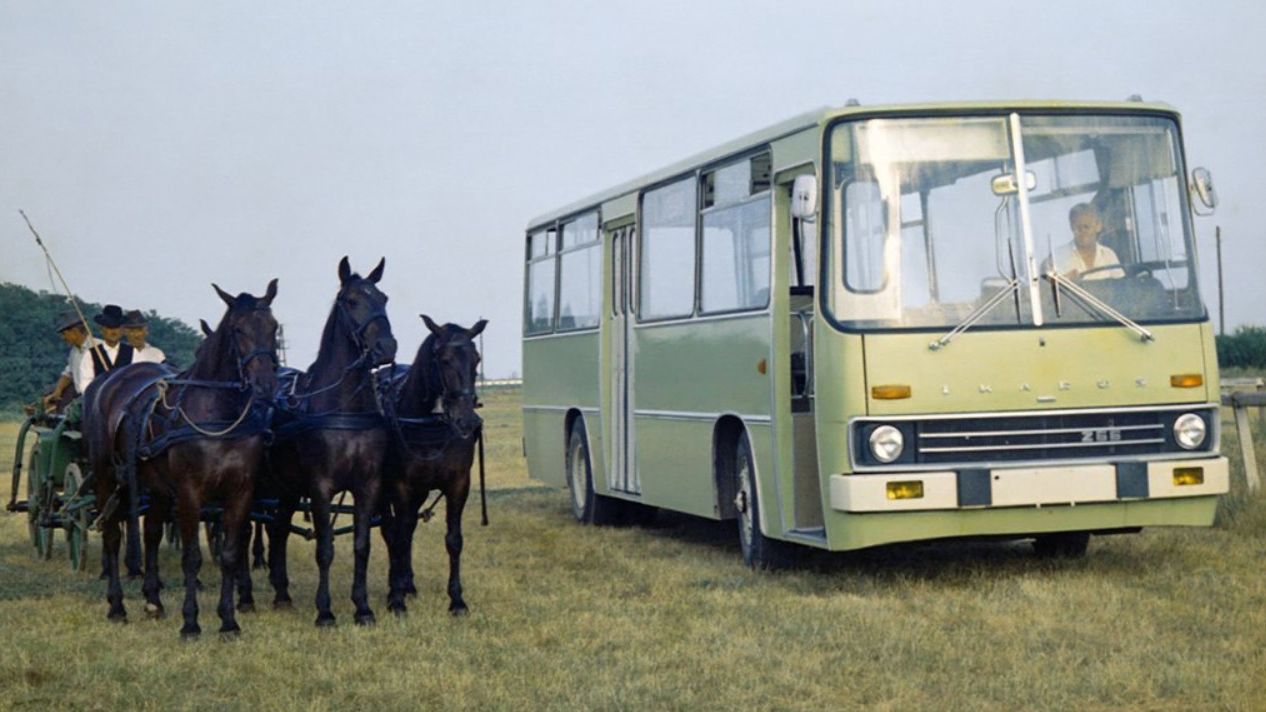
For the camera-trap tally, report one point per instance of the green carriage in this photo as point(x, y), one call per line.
point(58, 495)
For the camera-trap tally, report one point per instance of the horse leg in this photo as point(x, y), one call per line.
point(110, 539)
point(153, 584)
point(188, 514)
point(278, 536)
point(324, 555)
point(454, 503)
point(407, 528)
point(395, 514)
point(231, 559)
point(365, 503)
point(257, 549)
point(245, 587)
point(133, 557)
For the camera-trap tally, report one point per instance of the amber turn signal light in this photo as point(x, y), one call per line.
point(1188, 476)
point(905, 490)
point(890, 392)
point(1186, 380)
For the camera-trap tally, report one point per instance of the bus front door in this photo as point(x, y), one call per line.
point(622, 474)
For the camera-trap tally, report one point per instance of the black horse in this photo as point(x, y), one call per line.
point(330, 437)
point(431, 453)
point(190, 438)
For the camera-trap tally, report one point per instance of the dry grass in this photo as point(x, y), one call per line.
point(666, 618)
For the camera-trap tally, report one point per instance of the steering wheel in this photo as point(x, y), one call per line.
point(1138, 270)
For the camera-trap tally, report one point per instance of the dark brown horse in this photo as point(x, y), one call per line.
point(330, 438)
point(432, 453)
point(190, 439)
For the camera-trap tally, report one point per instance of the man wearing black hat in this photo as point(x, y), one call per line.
point(111, 354)
point(136, 331)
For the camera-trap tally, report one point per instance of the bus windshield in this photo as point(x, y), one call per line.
point(925, 225)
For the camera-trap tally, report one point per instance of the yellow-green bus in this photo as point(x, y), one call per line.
point(882, 324)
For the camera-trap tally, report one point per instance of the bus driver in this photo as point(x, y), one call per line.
point(1085, 253)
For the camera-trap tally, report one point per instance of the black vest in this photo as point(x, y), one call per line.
point(101, 362)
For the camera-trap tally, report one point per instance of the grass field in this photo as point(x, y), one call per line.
point(665, 617)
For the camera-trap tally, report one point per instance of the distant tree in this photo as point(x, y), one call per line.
point(1246, 348)
point(32, 355)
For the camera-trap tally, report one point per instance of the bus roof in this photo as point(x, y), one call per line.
point(820, 116)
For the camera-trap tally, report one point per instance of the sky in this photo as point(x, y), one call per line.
point(163, 146)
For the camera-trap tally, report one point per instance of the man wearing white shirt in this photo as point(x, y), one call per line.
point(1085, 253)
point(136, 331)
point(79, 370)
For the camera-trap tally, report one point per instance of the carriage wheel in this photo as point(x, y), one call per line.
point(38, 497)
point(78, 518)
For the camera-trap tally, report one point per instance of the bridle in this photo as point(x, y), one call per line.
point(358, 330)
point(450, 396)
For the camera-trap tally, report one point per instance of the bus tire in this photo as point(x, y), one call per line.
point(759, 551)
point(587, 506)
point(1066, 545)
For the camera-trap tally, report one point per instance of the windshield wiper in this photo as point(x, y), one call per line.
point(977, 314)
point(1090, 301)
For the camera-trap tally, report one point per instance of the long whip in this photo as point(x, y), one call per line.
point(65, 287)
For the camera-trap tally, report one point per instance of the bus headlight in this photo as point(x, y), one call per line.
point(886, 443)
point(1189, 431)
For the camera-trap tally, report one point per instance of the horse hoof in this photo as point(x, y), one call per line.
point(259, 566)
point(190, 632)
point(325, 620)
point(230, 632)
point(458, 610)
point(284, 604)
point(366, 618)
point(154, 611)
point(400, 610)
point(246, 607)
point(135, 575)
point(411, 591)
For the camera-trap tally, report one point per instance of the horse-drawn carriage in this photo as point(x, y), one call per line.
point(222, 443)
point(58, 498)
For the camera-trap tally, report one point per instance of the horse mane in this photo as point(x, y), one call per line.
point(330, 340)
point(211, 359)
point(421, 386)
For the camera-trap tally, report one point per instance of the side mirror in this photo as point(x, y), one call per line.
point(804, 198)
point(1202, 187)
point(1006, 184)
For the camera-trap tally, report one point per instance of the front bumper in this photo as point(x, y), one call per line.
point(1054, 485)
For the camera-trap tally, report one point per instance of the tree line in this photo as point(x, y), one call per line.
point(32, 354)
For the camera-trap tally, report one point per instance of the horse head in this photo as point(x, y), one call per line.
point(247, 336)
point(363, 308)
point(454, 363)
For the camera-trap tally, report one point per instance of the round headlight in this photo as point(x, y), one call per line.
point(1189, 431)
point(886, 443)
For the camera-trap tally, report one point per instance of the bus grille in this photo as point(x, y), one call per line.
point(974, 440)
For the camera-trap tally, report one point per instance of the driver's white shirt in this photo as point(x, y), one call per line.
point(1068, 258)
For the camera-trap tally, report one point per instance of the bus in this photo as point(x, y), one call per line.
point(880, 324)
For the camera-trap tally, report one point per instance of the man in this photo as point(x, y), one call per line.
point(111, 354)
point(1085, 253)
point(136, 331)
point(75, 377)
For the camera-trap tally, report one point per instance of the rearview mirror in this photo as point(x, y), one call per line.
point(1005, 184)
point(804, 198)
point(1202, 186)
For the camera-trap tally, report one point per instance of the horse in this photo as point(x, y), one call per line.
point(431, 453)
point(188, 438)
point(330, 437)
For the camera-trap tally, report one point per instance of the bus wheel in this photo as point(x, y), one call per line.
point(1069, 545)
point(759, 551)
point(588, 506)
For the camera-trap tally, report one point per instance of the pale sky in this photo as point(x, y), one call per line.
point(161, 146)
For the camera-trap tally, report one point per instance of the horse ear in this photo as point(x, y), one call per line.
point(272, 292)
point(377, 273)
point(228, 298)
point(477, 328)
point(344, 270)
point(435, 328)
point(206, 328)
